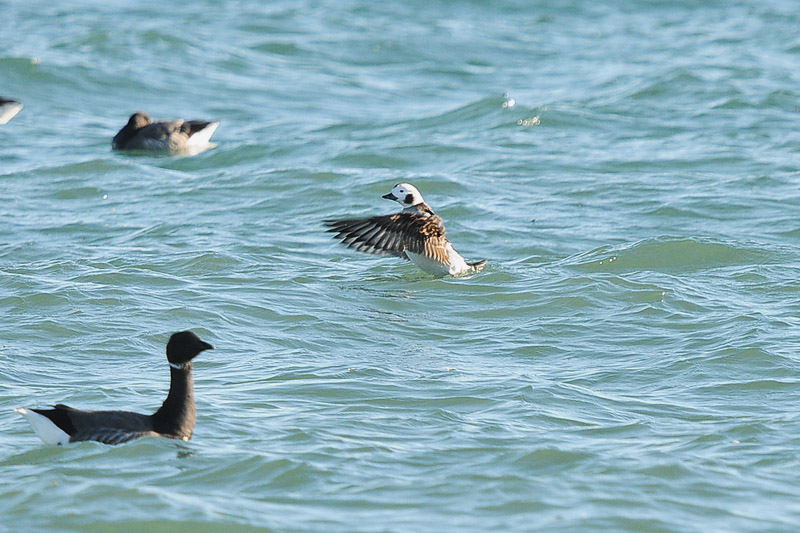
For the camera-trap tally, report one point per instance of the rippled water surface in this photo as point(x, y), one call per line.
point(627, 361)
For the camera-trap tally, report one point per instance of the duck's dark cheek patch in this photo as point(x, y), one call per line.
point(409, 197)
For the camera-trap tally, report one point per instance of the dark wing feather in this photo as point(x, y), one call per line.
point(190, 127)
point(110, 427)
point(165, 135)
point(393, 235)
point(161, 130)
point(110, 435)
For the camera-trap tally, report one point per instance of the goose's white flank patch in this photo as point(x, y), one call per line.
point(44, 427)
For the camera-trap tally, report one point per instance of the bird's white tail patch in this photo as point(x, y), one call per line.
point(44, 427)
point(201, 138)
point(8, 111)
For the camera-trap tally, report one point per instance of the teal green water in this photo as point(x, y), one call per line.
point(628, 361)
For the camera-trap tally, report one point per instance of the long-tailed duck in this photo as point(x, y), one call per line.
point(175, 419)
point(142, 133)
point(416, 234)
point(8, 109)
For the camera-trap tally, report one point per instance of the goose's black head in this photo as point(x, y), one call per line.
point(138, 120)
point(184, 346)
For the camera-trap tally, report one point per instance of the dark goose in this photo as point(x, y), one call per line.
point(175, 419)
point(142, 133)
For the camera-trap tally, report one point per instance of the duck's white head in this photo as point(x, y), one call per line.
point(405, 194)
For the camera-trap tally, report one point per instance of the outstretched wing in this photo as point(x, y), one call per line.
point(394, 234)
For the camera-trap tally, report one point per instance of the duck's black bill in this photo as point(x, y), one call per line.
point(389, 196)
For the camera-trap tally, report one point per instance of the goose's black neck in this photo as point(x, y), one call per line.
point(177, 414)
